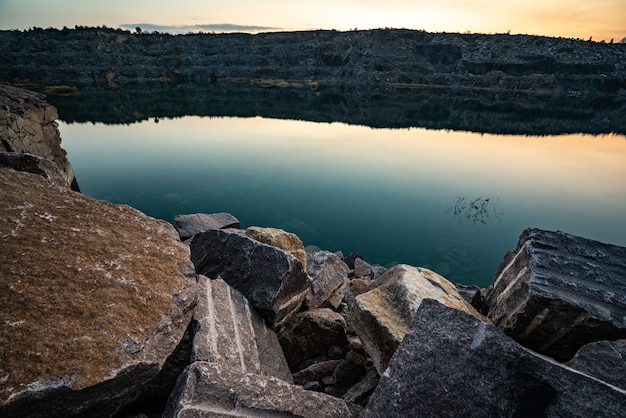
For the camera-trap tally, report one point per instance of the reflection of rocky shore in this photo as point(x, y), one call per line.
point(382, 78)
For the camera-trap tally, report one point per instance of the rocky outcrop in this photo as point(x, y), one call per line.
point(381, 317)
point(556, 292)
point(208, 389)
point(190, 225)
point(330, 278)
point(28, 125)
point(273, 280)
point(94, 298)
point(227, 330)
point(605, 360)
point(33, 164)
point(452, 363)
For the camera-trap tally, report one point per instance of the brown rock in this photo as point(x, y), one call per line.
point(30, 163)
point(28, 125)
point(316, 372)
point(381, 317)
point(278, 238)
point(227, 329)
point(330, 277)
point(210, 389)
point(93, 299)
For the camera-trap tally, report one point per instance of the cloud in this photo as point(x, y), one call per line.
point(177, 29)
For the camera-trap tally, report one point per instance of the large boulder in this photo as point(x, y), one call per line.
point(381, 316)
point(226, 329)
point(330, 277)
point(279, 238)
point(28, 125)
point(605, 360)
point(210, 389)
point(454, 364)
point(556, 292)
point(274, 281)
point(189, 225)
point(94, 297)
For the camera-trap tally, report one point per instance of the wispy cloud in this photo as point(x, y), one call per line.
point(217, 27)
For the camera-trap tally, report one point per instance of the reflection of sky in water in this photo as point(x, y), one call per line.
point(392, 195)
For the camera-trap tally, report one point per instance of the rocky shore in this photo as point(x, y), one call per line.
point(394, 78)
point(107, 312)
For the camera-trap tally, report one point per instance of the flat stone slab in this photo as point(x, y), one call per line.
point(213, 390)
point(227, 330)
point(556, 292)
point(93, 299)
point(192, 224)
point(453, 364)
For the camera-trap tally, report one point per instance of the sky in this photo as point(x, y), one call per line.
point(596, 19)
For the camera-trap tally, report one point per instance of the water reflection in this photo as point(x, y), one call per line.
point(383, 193)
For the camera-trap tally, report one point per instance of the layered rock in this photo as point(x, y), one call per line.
point(556, 292)
point(190, 225)
point(94, 298)
point(381, 317)
point(330, 278)
point(28, 125)
point(228, 331)
point(209, 389)
point(273, 280)
point(452, 363)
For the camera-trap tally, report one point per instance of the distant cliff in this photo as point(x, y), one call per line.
point(561, 79)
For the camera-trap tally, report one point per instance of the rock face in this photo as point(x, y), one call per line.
point(330, 277)
point(28, 125)
point(556, 292)
point(208, 389)
point(273, 280)
point(227, 330)
point(93, 299)
point(189, 225)
point(381, 317)
point(605, 360)
point(453, 364)
point(33, 164)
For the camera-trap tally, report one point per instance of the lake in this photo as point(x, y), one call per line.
point(451, 201)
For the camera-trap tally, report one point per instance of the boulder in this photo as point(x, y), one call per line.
point(210, 389)
point(311, 333)
point(472, 294)
point(362, 269)
point(363, 389)
point(556, 292)
point(381, 317)
point(316, 372)
point(189, 225)
point(278, 238)
point(349, 372)
point(227, 329)
point(94, 298)
point(454, 364)
point(30, 163)
point(605, 360)
point(273, 280)
point(329, 276)
point(28, 125)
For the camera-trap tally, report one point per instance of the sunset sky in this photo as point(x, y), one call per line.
point(599, 19)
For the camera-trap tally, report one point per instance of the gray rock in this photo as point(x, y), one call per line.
point(189, 225)
point(556, 292)
point(472, 295)
point(349, 372)
point(316, 372)
point(452, 364)
point(382, 316)
point(363, 389)
point(330, 277)
point(310, 334)
point(273, 280)
point(30, 163)
point(362, 269)
point(605, 360)
point(95, 298)
point(210, 389)
point(279, 238)
point(227, 329)
point(28, 125)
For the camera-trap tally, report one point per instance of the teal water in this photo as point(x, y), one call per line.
point(454, 202)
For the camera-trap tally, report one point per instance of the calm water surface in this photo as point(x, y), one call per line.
point(454, 202)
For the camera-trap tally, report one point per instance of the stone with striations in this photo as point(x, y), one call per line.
point(273, 280)
point(381, 317)
point(189, 225)
point(28, 125)
point(454, 364)
point(605, 360)
point(94, 297)
point(227, 329)
point(214, 390)
point(556, 292)
point(330, 277)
